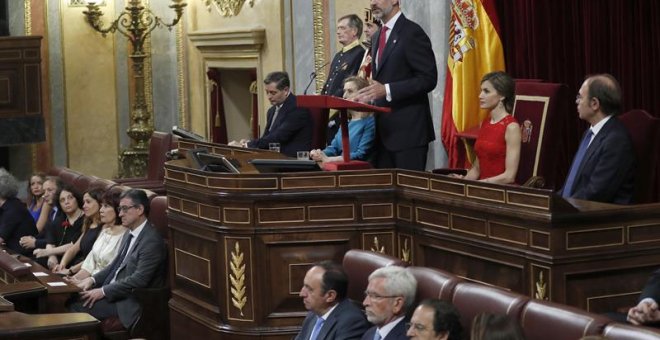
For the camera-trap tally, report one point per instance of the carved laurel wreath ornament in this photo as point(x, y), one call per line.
point(227, 8)
point(237, 278)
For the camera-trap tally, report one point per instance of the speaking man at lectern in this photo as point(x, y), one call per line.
point(404, 71)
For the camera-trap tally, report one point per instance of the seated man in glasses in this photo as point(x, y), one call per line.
point(140, 263)
point(435, 320)
point(331, 315)
point(389, 295)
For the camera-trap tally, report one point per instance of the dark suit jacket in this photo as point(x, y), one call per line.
point(292, 129)
point(16, 222)
point(346, 322)
point(652, 288)
point(344, 64)
point(144, 266)
point(409, 66)
point(398, 332)
point(607, 170)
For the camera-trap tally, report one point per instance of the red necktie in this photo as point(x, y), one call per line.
point(382, 39)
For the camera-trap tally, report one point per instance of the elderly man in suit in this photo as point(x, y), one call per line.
point(331, 315)
point(404, 71)
point(140, 263)
point(287, 124)
point(389, 295)
point(603, 167)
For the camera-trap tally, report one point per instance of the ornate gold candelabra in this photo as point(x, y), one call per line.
point(136, 23)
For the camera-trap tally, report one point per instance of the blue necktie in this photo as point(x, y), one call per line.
point(377, 335)
point(577, 161)
point(120, 257)
point(317, 328)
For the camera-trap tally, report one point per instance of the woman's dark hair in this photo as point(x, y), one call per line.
point(111, 198)
point(74, 192)
point(504, 85)
point(96, 194)
point(487, 326)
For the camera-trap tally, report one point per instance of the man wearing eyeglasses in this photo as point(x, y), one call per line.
point(140, 263)
point(435, 320)
point(389, 295)
point(331, 315)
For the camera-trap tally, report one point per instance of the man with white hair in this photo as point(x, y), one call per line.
point(389, 295)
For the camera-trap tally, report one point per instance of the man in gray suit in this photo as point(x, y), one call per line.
point(140, 263)
point(331, 315)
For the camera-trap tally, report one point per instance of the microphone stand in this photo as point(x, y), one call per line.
point(313, 76)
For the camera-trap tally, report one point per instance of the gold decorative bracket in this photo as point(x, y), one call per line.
point(237, 278)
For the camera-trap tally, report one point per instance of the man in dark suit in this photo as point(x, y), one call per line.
point(403, 73)
point(345, 63)
point(646, 312)
point(140, 263)
point(331, 315)
point(603, 167)
point(389, 296)
point(286, 124)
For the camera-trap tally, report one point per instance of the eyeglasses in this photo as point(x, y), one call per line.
point(125, 208)
point(417, 326)
point(374, 296)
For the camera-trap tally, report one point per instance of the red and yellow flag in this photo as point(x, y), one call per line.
point(475, 49)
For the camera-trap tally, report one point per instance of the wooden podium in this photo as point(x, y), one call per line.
point(240, 244)
point(325, 103)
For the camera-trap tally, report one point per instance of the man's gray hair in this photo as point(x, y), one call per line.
point(8, 184)
point(399, 281)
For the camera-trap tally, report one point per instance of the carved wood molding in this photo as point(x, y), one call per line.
point(227, 8)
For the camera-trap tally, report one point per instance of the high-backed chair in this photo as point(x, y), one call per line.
point(644, 131)
point(434, 283)
point(359, 264)
point(472, 299)
point(621, 331)
point(159, 144)
point(538, 317)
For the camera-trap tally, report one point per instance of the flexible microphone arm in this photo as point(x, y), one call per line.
point(313, 76)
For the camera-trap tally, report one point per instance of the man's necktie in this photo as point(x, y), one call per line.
point(382, 40)
point(317, 328)
point(377, 335)
point(272, 121)
point(579, 156)
point(120, 257)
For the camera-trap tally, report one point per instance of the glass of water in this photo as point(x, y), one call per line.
point(303, 155)
point(274, 147)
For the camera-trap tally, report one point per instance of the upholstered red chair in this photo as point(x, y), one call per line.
point(621, 331)
point(434, 283)
point(359, 264)
point(159, 144)
point(644, 131)
point(472, 299)
point(539, 318)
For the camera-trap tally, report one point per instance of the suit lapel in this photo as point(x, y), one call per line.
point(390, 43)
point(595, 145)
point(136, 244)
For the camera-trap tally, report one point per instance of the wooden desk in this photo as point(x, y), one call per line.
point(16, 325)
point(241, 244)
point(5, 305)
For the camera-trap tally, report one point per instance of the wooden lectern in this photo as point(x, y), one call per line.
point(325, 103)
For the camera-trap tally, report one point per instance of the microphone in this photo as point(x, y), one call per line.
point(313, 76)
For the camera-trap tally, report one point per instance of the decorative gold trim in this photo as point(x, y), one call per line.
point(597, 297)
point(425, 179)
point(476, 187)
point(180, 74)
point(640, 226)
point(27, 17)
point(280, 221)
point(546, 197)
point(546, 101)
point(148, 75)
point(224, 215)
point(316, 178)
point(541, 288)
point(196, 204)
point(405, 250)
point(176, 266)
point(251, 277)
point(376, 247)
point(452, 227)
point(531, 237)
point(417, 209)
point(364, 185)
point(568, 233)
point(237, 278)
point(319, 42)
point(309, 212)
point(227, 8)
point(398, 212)
point(199, 212)
point(390, 205)
point(447, 183)
point(490, 234)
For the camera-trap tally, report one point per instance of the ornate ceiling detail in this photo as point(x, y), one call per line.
point(227, 8)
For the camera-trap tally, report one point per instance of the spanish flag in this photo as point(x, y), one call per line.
point(475, 49)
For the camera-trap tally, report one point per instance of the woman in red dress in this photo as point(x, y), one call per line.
point(498, 144)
